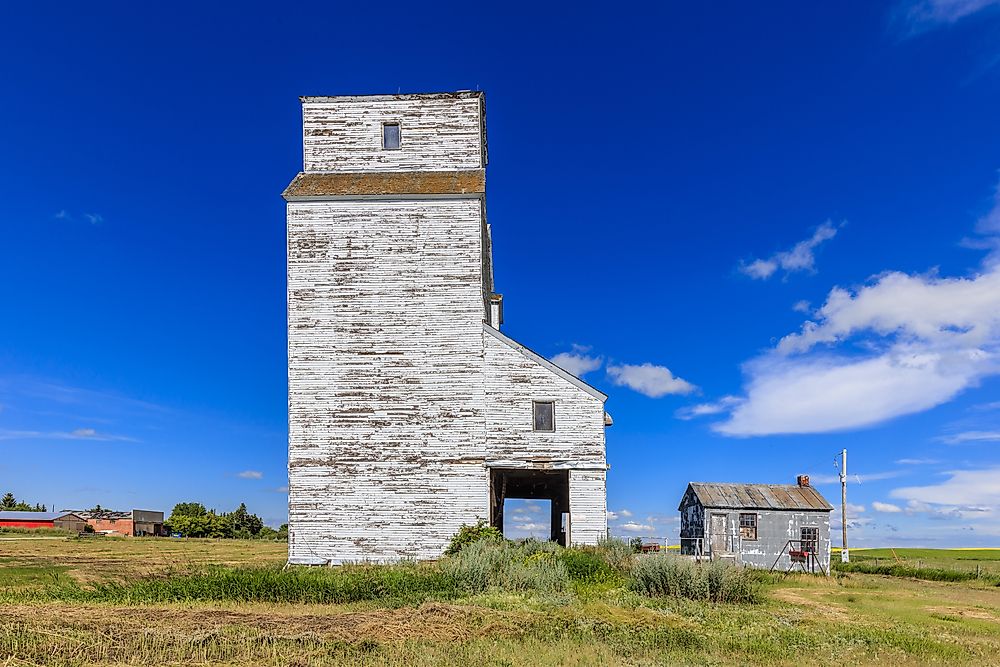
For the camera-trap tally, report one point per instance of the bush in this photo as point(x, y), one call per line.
point(586, 564)
point(667, 575)
point(467, 535)
point(618, 554)
point(488, 564)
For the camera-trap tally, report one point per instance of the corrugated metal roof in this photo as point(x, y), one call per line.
point(760, 496)
point(9, 515)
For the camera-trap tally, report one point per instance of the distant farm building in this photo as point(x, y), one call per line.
point(53, 520)
point(133, 523)
point(779, 526)
point(410, 413)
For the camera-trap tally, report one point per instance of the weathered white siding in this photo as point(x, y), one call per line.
point(774, 529)
point(385, 377)
point(438, 132)
point(513, 382)
point(588, 506)
point(400, 397)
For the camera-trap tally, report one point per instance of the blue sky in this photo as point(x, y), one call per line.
point(768, 231)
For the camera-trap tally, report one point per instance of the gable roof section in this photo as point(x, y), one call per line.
point(542, 361)
point(759, 496)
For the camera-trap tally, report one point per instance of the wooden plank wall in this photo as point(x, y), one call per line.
point(437, 133)
point(513, 382)
point(398, 396)
point(588, 506)
point(385, 377)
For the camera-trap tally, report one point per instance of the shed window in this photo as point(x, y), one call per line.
point(545, 417)
point(390, 136)
point(810, 539)
point(748, 526)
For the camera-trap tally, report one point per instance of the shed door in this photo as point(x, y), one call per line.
point(718, 533)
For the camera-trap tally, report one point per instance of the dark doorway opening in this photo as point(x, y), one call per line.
point(552, 485)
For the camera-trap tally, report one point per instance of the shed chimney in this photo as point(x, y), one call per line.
point(803, 480)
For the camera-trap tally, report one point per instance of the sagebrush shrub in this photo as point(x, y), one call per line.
point(485, 565)
point(668, 575)
point(467, 535)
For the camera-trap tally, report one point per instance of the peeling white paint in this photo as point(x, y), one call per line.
point(400, 396)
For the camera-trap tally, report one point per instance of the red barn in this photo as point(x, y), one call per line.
point(60, 520)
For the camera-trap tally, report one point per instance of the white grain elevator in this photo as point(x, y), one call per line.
point(410, 413)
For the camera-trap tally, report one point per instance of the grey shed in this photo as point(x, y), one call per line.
point(760, 525)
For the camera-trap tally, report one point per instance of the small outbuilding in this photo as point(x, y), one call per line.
point(770, 526)
point(131, 523)
point(54, 520)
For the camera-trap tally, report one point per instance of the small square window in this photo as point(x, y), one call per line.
point(748, 526)
point(545, 417)
point(390, 136)
point(809, 539)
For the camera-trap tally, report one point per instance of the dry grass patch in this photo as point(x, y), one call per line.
point(430, 621)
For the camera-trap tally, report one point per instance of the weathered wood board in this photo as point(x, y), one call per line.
point(401, 396)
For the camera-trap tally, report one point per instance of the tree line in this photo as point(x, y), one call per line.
point(190, 520)
point(10, 503)
point(194, 520)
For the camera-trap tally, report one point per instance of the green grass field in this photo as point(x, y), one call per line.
point(101, 601)
point(987, 560)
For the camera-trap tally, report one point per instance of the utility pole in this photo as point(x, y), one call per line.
point(845, 556)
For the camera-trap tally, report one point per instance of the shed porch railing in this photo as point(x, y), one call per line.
point(713, 547)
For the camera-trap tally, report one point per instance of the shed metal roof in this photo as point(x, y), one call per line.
point(760, 496)
point(10, 515)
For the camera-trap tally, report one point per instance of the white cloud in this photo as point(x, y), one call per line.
point(952, 313)
point(916, 462)
point(577, 361)
point(612, 516)
point(920, 341)
point(968, 489)
point(920, 15)
point(724, 404)
point(531, 526)
point(886, 508)
point(989, 224)
point(625, 513)
point(649, 380)
point(92, 218)
point(634, 527)
point(897, 345)
point(799, 258)
point(801, 306)
point(971, 436)
point(853, 520)
point(250, 474)
point(853, 478)
point(77, 434)
point(820, 394)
